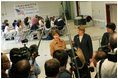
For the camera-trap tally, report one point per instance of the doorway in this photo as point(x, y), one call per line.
point(111, 13)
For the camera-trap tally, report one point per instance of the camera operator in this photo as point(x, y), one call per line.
point(108, 68)
point(97, 56)
point(16, 55)
point(34, 54)
point(21, 69)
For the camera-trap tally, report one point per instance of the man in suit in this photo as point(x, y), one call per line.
point(83, 41)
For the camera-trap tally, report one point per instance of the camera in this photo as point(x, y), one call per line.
point(104, 48)
point(17, 54)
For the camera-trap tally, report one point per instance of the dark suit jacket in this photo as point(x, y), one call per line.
point(85, 45)
point(105, 39)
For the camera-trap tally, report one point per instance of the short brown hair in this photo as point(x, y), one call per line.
point(52, 67)
point(55, 32)
point(100, 55)
point(81, 28)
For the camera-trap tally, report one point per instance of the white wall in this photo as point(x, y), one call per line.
point(113, 13)
point(49, 8)
point(96, 9)
point(85, 8)
point(99, 12)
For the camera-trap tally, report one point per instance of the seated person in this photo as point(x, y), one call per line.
point(52, 68)
point(21, 24)
point(52, 21)
point(47, 26)
point(35, 19)
point(41, 23)
point(9, 32)
point(47, 23)
point(13, 24)
point(35, 26)
point(4, 24)
point(3, 27)
point(49, 37)
point(26, 21)
point(18, 28)
point(57, 43)
point(62, 56)
point(5, 64)
point(34, 54)
point(19, 32)
point(33, 29)
point(21, 69)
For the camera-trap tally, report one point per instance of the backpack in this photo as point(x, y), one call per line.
point(60, 24)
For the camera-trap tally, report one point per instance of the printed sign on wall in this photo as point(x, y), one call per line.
point(26, 9)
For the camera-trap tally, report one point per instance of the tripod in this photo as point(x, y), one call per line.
point(73, 59)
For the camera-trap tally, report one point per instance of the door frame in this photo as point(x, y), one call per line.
point(108, 12)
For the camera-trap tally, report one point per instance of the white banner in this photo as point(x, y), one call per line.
point(26, 9)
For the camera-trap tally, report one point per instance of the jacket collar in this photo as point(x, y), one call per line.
point(55, 42)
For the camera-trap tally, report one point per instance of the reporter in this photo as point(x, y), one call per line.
point(5, 64)
point(62, 56)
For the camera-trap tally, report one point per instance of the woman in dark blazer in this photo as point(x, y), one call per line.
point(110, 27)
point(83, 41)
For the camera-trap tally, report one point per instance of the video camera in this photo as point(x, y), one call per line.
point(17, 54)
point(104, 48)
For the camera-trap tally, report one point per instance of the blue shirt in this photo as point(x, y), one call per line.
point(34, 27)
point(36, 69)
point(65, 74)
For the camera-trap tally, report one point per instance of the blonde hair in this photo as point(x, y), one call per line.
point(19, 20)
point(81, 28)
